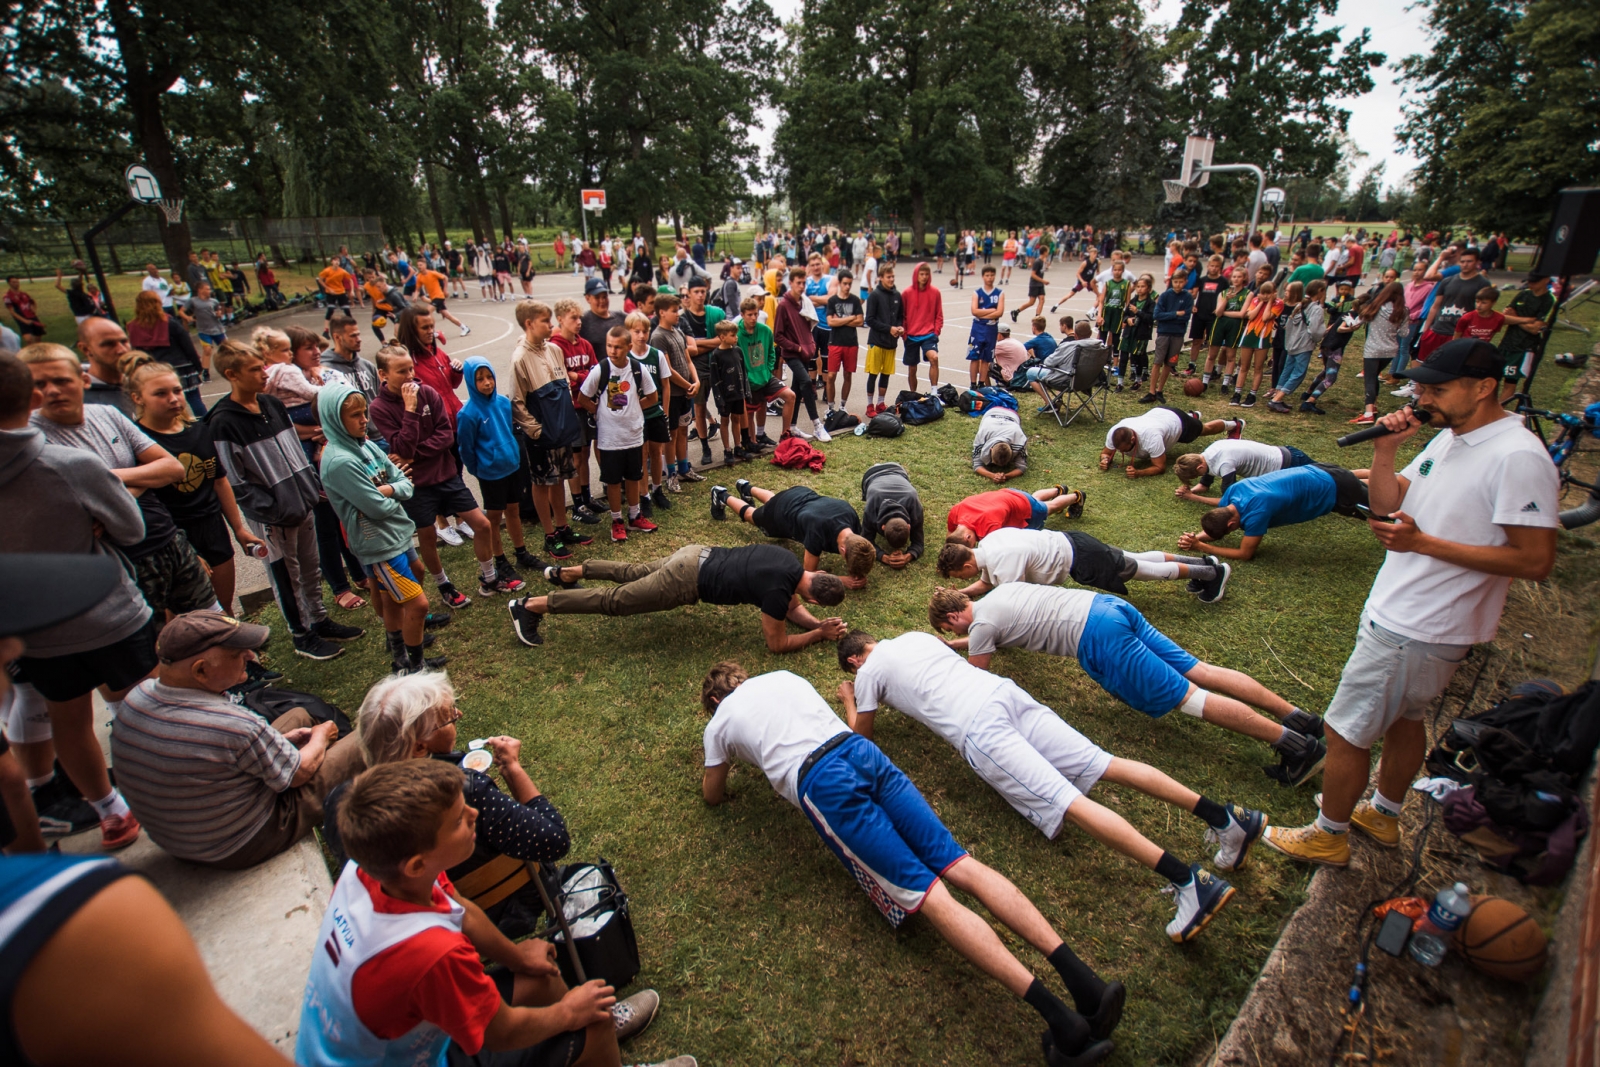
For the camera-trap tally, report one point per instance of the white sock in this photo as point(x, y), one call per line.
point(1327, 825)
point(1384, 804)
point(616, 516)
point(1155, 572)
point(486, 568)
point(110, 806)
point(633, 511)
point(441, 578)
point(1148, 557)
point(35, 783)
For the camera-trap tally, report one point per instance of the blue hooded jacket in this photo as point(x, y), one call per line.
point(483, 428)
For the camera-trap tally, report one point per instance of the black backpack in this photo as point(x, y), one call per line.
point(885, 424)
point(947, 394)
point(839, 419)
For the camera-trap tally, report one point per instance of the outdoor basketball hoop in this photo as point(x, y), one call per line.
point(172, 208)
point(1174, 190)
point(1197, 169)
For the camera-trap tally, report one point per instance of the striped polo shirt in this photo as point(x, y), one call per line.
point(202, 774)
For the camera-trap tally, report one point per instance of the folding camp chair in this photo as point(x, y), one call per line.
point(1088, 388)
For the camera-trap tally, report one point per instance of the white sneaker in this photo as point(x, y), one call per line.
point(463, 530)
point(673, 486)
point(1243, 830)
point(798, 432)
point(822, 434)
point(1405, 391)
point(449, 535)
point(465, 330)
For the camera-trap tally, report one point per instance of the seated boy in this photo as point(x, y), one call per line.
point(397, 975)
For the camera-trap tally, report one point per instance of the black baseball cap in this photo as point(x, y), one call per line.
point(39, 589)
point(1465, 357)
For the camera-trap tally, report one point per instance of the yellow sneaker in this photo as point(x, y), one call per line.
point(1310, 843)
point(1383, 829)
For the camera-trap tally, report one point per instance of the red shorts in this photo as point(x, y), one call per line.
point(842, 357)
point(1430, 344)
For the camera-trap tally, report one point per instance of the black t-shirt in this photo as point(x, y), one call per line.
point(842, 305)
point(1205, 297)
point(800, 514)
point(594, 329)
point(1456, 297)
point(1526, 304)
point(763, 575)
point(453, 257)
point(192, 498)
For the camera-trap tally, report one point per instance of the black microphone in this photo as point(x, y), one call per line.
point(1380, 430)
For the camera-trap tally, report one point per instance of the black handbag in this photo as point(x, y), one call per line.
point(592, 929)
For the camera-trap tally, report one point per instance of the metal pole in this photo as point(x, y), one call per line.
point(94, 254)
point(583, 216)
point(1261, 186)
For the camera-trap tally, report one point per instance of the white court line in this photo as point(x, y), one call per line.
point(510, 328)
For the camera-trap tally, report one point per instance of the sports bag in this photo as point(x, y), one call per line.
point(972, 402)
point(594, 910)
point(883, 424)
point(999, 398)
point(948, 396)
point(271, 703)
point(918, 409)
point(839, 419)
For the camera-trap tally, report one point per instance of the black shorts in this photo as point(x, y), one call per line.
point(548, 466)
point(1200, 328)
point(763, 393)
point(621, 465)
point(1095, 563)
point(438, 303)
point(656, 430)
point(730, 402)
point(210, 539)
point(172, 579)
point(1192, 426)
point(449, 497)
point(1348, 489)
point(500, 493)
point(1035, 290)
point(679, 409)
point(563, 1050)
point(119, 665)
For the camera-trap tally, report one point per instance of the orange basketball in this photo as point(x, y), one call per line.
point(1193, 387)
point(1502, 940)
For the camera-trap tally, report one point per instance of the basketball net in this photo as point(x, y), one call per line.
point(1174, 190)
point(172, 209)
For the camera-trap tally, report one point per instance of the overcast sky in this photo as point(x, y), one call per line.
point(1396, 32)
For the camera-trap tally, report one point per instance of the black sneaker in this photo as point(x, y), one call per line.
point(659, 498)
point(555, 547)
point(524, 623)
point(1148, 398)
point(573, 537)
point(585, 514)
point(436, 619)
point(644, 506)
point(719, 502)
point(329, 630)
point(553, 576)
point(61, 812)
point(311, 646)
point(1092, 1053)
point(527, 560)
point(705, 454)
point(730, 456)
point(742, 487)
point(1296, 767)
point(1303, 722)
point(1211, 591)
point(1109, 1013)
point(1236, 401)
point(765, 442)
point(1249, 400)
point(453, 597)
point(255, 672)
point(402, 665)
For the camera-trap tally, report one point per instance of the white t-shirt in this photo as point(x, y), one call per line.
point(1464, 489)
point(1158, 429)
point(1041, 618)
point(1331, 261)
point(1042, 557)
point(772, 721)
point(869, 274)
point(1242, 459)
point(921, 676)
point(159, 286)
point(1257, 260)
point(619, 423)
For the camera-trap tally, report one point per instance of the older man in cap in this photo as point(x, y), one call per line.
point(213, 782)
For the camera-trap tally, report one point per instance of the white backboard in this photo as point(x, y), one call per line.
point(1196, 154)
point(142, 184)
point(1273, 195)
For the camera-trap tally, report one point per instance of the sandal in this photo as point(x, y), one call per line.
point(349, 600)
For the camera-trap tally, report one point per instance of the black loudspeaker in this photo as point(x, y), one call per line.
point(1573, 243)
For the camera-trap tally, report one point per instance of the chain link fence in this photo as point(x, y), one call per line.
point(38, 250)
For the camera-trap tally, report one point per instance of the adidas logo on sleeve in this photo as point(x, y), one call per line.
point(1531, 507)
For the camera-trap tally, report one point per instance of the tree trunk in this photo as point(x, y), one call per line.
point(143, 91)
point(505, 210)
point(433, 201)
point(677, 225)
point(919, 209)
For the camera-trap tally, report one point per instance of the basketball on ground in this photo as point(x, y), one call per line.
point(1193, 387)
point(1502, 940)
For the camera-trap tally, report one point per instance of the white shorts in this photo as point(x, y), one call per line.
point(1032, 758)
point(1388, 677)
point(24, 716)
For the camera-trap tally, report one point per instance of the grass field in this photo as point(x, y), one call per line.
point(763, 948)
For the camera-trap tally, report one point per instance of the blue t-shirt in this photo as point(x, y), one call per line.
point(1041, 345)
point(1281, 498)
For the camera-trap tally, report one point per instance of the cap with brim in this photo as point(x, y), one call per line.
point(595, 287)
point(194, 632)
point(1464, 357)
point(39, 589)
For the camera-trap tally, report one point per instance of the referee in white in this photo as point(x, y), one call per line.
point(1476, 508)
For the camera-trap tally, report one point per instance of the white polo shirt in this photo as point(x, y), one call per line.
point(1464, 489)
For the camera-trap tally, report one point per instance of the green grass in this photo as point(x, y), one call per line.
point(762, 946)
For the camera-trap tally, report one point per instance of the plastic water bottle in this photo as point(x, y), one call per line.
point(1448, 911)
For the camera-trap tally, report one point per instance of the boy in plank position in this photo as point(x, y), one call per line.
point(1131, 660)
point(872, 817)
point(1045, 557)
point(1152, 435)
point(820, 523)
point(1282, 498)
point(1230, 461)
point(397, 977)
point(1038, 763)
point(892, 507)
point(981, 514)
point(1000, 447)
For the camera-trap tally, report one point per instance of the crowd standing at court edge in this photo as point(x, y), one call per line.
point(83, 448)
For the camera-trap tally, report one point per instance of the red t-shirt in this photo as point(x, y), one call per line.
point(1480, 327)
point(579, 356)
point(987, 512)
point(21, 305)
point(435, 976)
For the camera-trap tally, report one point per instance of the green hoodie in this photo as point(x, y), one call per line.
point(376, 526)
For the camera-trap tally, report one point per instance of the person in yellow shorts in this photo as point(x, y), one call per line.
point(885, 324)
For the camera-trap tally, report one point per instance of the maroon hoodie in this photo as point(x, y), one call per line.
point(792, 332)
point(421, 438)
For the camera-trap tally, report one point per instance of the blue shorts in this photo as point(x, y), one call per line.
point(918, 347)
point(398, 576)
point(1039, 511)
point(980, 352)
point(1132, 660)
point(879, 826)
point(1296, 458)
point(213, 339)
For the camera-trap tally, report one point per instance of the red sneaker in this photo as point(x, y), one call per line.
point(119, 831)
point(619, 530)
point(1238, 430)
point(642, 524)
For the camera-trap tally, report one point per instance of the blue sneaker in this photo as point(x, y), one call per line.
point(1198, 903)
point(1245, 827)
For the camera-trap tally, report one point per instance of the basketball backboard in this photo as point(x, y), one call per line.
point(142, 185)
point(1196, 154)
point(593, 199)
point(1273, 195)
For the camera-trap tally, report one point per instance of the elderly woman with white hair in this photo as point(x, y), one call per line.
point(414, 717)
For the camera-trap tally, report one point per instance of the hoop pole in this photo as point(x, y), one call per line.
point(94, 254)
point(1261, 186)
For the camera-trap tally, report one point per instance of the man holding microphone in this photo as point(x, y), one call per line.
point(1474, 509)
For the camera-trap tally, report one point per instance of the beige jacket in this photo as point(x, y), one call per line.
point(531, 370)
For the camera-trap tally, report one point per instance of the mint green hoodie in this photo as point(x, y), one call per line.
point(376, 526)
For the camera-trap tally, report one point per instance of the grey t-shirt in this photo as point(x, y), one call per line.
point(1041, 618)
point(205, 315)
point(1000, 424)
point(109, 434)
point(1454, 298)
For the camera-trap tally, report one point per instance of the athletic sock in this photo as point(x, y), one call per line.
point(1174, 870)
point(1211, 813)
point(1200, 572)
point(414, 656)
point(1327, 825)
point(633, 512)
point(1192, 561)
point(395, 642)
point(616, 516)
point(1082, 983)
point(110, 806)
point(441, 578)
point(1147, 571)
point(486, 570)
point(1230, 424)
point(1069, 1029)
point(39, 783)
point(501, 557)
point(1384, 804)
